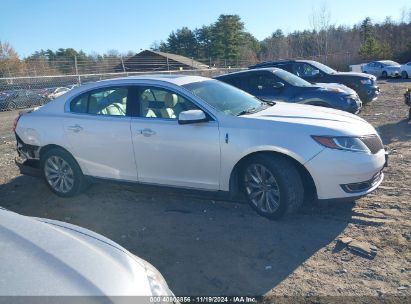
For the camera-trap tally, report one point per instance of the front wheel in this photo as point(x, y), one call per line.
point(404, 74)
point(62, 173)
point(272, 185)
point(384, 75)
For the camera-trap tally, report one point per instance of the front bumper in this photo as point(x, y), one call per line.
point(369, 93)
point(331, 169)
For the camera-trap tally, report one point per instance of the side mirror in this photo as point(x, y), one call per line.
point(191, 117)
point(315, 73)
point(278, 85)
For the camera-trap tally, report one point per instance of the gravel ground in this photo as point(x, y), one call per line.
point(205, 246)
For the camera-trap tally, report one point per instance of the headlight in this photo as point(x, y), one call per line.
point(366, 81)
point(158, 284)
point(348, 143)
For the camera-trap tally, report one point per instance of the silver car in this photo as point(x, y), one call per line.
point(42, 257)
point(382, 68)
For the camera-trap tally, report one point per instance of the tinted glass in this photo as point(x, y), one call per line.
point(323, 67)
point(291, 79)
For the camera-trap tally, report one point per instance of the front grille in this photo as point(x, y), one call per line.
point(373, 142)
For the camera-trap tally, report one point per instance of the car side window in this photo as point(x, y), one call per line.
point(303, 70)
point(108, 101)
point(234, 81)
point(79, 104)
point(161, 103)
point(261, 83)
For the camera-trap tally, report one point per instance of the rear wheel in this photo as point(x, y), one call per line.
point(404, 74)
point(272, 185)
point(384, 75)
point(62, 173)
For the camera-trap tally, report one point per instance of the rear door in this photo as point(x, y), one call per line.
point(98, 132)
point(168, 153)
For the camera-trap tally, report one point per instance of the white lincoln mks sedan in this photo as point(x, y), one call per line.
point(195, 132)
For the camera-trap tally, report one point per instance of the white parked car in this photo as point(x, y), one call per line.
point(382, 68)
point(406, 70)
point(42, 257)
point(199, 133)
point(58, 92)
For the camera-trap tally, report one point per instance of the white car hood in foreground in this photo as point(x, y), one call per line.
point(317, 120)
point(55, 258)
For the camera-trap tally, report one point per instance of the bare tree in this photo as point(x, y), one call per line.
point(320, 21)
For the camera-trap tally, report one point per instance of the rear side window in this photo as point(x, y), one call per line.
point(235, 81)
point(79, 104)
point(108, 101)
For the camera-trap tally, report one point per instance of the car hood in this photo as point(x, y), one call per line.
point(45, 257)
point(315, 119)
point(354, 74)
point(336, 85)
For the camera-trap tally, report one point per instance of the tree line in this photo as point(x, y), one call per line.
point(335, 45)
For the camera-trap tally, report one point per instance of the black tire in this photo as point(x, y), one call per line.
point(404, 75)
point(79, 182)
point(384, 75)
point(288, 183)
point(11, 105)
point(365, 72)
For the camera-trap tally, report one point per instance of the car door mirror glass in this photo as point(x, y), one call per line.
point(192, 116)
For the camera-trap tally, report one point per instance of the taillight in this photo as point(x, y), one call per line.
point(15, 122)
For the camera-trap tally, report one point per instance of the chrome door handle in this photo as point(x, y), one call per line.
point(75, 128)
point(147, 132)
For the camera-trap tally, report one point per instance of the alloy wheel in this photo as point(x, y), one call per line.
point(59, 174)
point(262, 188)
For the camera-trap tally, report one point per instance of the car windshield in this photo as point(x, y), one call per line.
point(390, 62)
point(292, 79)
point(323, 67)
point(224, 97)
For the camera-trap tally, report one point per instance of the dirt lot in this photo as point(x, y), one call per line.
point(205, 246)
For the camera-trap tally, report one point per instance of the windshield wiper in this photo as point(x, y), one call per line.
point(256, 109)
point(248, 111)
point(269, 102)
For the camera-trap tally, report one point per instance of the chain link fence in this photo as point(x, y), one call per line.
point(32, 91)
point(35, 81)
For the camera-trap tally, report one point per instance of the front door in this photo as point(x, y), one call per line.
point(168, 153)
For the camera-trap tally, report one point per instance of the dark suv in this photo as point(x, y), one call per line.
point(271, 84)
point(315, 72)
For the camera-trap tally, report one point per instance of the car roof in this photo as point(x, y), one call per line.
point(177, 79)
point(282, 61)
point(269, 69)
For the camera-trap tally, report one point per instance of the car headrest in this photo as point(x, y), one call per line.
point(170, 100)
